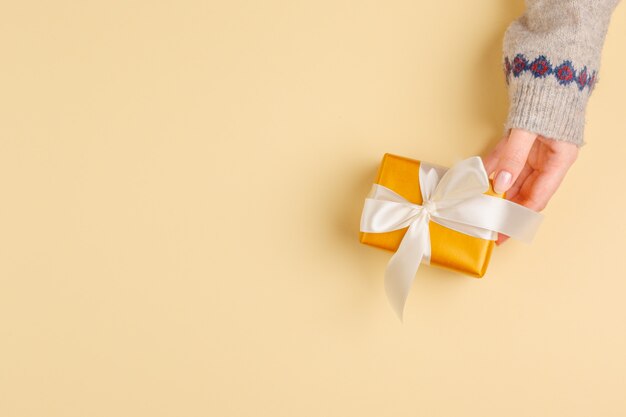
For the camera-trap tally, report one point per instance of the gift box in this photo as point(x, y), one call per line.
point(450, 249)
point(444, 217)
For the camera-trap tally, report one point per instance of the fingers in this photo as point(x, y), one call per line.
point(529, 168)
point(512, 158)
point(555, 160)
point(491, 161)
point(539, 188)
point(534, 191)
point(501, 239)
point(535, 188)
point(512, 195)
point(521, 178)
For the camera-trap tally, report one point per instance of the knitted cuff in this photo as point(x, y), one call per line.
point(553, 111)
point(548, 102)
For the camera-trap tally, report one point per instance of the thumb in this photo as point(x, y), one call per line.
point(512, 159)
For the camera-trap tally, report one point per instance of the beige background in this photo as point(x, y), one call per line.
point(181, 183)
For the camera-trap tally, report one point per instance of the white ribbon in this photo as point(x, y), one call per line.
point(455, 199)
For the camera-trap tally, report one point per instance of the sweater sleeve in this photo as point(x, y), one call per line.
point(551, 59)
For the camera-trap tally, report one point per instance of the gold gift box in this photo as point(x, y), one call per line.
point(449, 249)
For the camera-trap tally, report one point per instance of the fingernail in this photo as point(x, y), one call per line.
point(502, 182)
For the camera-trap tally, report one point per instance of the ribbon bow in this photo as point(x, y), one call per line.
point(455, 199)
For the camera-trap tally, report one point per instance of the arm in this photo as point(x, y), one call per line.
point(551, 58)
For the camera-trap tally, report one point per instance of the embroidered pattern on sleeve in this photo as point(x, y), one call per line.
point(541, 67)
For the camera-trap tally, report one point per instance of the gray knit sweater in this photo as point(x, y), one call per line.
point(551, 60)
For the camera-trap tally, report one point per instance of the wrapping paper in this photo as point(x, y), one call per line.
point(450, 249)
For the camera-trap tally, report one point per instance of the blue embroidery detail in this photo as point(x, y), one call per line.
point(541, 67)
point(582, 78)
point(520, 64)
point(565, 73)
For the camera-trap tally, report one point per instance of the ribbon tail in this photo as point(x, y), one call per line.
point(403, 265)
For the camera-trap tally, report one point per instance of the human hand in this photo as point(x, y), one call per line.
point(529, 168)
